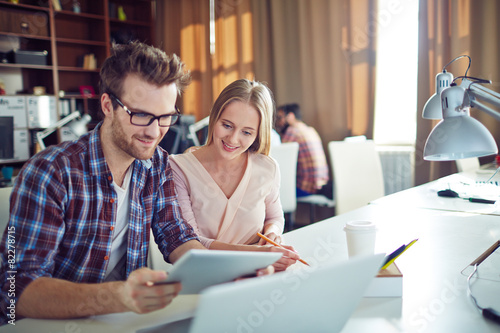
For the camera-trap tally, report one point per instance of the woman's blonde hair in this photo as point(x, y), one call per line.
point(257, 95)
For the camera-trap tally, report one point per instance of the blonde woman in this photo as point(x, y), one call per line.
point(228, 189)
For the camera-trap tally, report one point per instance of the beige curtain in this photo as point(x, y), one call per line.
point(319, 54)
point(233, 56)
point(447, 29)
point(316, 53)
point(184, 28)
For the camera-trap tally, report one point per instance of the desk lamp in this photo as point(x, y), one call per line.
point(78, 127)
point(458, 135)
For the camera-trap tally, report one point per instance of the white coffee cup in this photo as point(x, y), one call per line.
point(360, 237)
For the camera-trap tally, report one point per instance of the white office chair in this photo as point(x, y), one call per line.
point(321, 200)
point(286, 155)
point(357, 138)
point(357, 174)
point(314, 200)
point(4, 207)
point(467, 164)
point(195, 128)
point(155, 257)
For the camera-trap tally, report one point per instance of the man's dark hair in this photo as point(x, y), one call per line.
point(149, 63)
point(292, 108)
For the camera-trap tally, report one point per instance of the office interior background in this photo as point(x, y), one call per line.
point(356, 67)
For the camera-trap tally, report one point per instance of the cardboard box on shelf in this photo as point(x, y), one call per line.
point(28, 57)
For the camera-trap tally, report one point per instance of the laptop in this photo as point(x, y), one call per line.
point(309, 299)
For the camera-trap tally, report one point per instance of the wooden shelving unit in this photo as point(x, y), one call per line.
point(68, 36)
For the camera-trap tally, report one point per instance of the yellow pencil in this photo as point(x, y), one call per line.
point(278, 245)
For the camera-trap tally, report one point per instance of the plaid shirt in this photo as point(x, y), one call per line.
point(312, 168)
point(63, 209)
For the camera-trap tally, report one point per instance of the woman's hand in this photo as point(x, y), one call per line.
point(272, 236)
point(289, 257)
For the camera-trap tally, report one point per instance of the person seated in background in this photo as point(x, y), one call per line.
point(312, 167)
point(81, 211)
point(228, 189)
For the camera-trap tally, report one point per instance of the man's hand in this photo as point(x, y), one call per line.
point(266, 271)
point(141, 294)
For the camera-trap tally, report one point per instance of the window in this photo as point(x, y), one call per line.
point(396, 77)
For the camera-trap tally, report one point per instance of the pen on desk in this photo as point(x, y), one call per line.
point(278, 245)
point(479, 200)
point(394, 255)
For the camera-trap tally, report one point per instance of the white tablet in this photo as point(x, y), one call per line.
point(198, 269)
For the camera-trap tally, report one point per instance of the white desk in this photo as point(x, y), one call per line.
point(425, 196)
point(434, 290)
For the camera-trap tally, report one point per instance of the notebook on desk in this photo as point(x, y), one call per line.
point(310, 299)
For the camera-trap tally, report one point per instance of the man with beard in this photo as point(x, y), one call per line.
point(81, 212)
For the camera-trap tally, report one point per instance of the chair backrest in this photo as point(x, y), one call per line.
point(467, 164)
point(357, 138)
point(195, 128)
point(357, 174)
point(286, 155)
point(155, 257)
point(4, 207)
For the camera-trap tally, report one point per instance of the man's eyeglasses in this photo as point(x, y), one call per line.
point(146, 119)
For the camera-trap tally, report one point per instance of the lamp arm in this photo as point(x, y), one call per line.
point(477, 105)
point(477, 92)
point(43, 134)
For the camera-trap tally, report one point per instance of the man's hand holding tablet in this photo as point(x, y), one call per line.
point(198, 269)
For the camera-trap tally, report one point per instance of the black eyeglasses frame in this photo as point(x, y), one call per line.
point(175, 117)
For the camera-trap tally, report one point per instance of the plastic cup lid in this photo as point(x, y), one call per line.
point(360, 226)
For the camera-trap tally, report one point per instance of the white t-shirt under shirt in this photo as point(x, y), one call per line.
point(118, 258)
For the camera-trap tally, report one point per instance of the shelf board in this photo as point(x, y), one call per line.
point(81, 41)
point(26, 66)
point(22, 6)
point(77, 69)
point(78, 15)
point(78, 96)
point(129, 1)
point(13, 34)
point(130, 22)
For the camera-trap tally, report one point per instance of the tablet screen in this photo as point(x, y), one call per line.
point(198, 269)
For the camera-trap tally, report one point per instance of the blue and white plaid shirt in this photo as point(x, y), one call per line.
point(63, 212)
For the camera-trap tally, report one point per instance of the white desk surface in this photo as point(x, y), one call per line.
point(434, 290)
point(182, 307)
point(466, 184)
